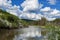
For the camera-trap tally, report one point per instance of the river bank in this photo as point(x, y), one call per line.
point(30, 33)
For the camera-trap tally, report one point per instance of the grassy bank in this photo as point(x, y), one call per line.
point(8, 20)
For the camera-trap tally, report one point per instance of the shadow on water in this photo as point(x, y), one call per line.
point(6, 34)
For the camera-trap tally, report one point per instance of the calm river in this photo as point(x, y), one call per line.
point(30, 33)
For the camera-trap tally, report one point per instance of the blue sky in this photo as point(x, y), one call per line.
point(17, 2)
point(32, 9)
point(44, 2)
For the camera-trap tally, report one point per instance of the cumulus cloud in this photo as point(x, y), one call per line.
point(4, 4)
point(55, 11)
point(50, 14)
point(53, 2)
point(14, 10)
point(50, 19)
point(30, 5)
point(7, 5)
point(46, 9)
point(31, 16)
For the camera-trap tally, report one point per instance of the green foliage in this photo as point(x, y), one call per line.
point(53, 31)
point(8, 20)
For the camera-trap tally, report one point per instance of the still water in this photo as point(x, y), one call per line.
point(30, 33)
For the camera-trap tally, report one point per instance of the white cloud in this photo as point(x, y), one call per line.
point(5, 4)
point(22, 14)
point(14, 7)
point(53, 2)
point(14, 10)
point(50, 19)
point(30, 5)
point(32, 16)
point(45, 9)
point(55, 11)
point(50, 14)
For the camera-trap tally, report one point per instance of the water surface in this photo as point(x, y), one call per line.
point(30, 33)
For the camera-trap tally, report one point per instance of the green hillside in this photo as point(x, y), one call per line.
point(8, 20)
